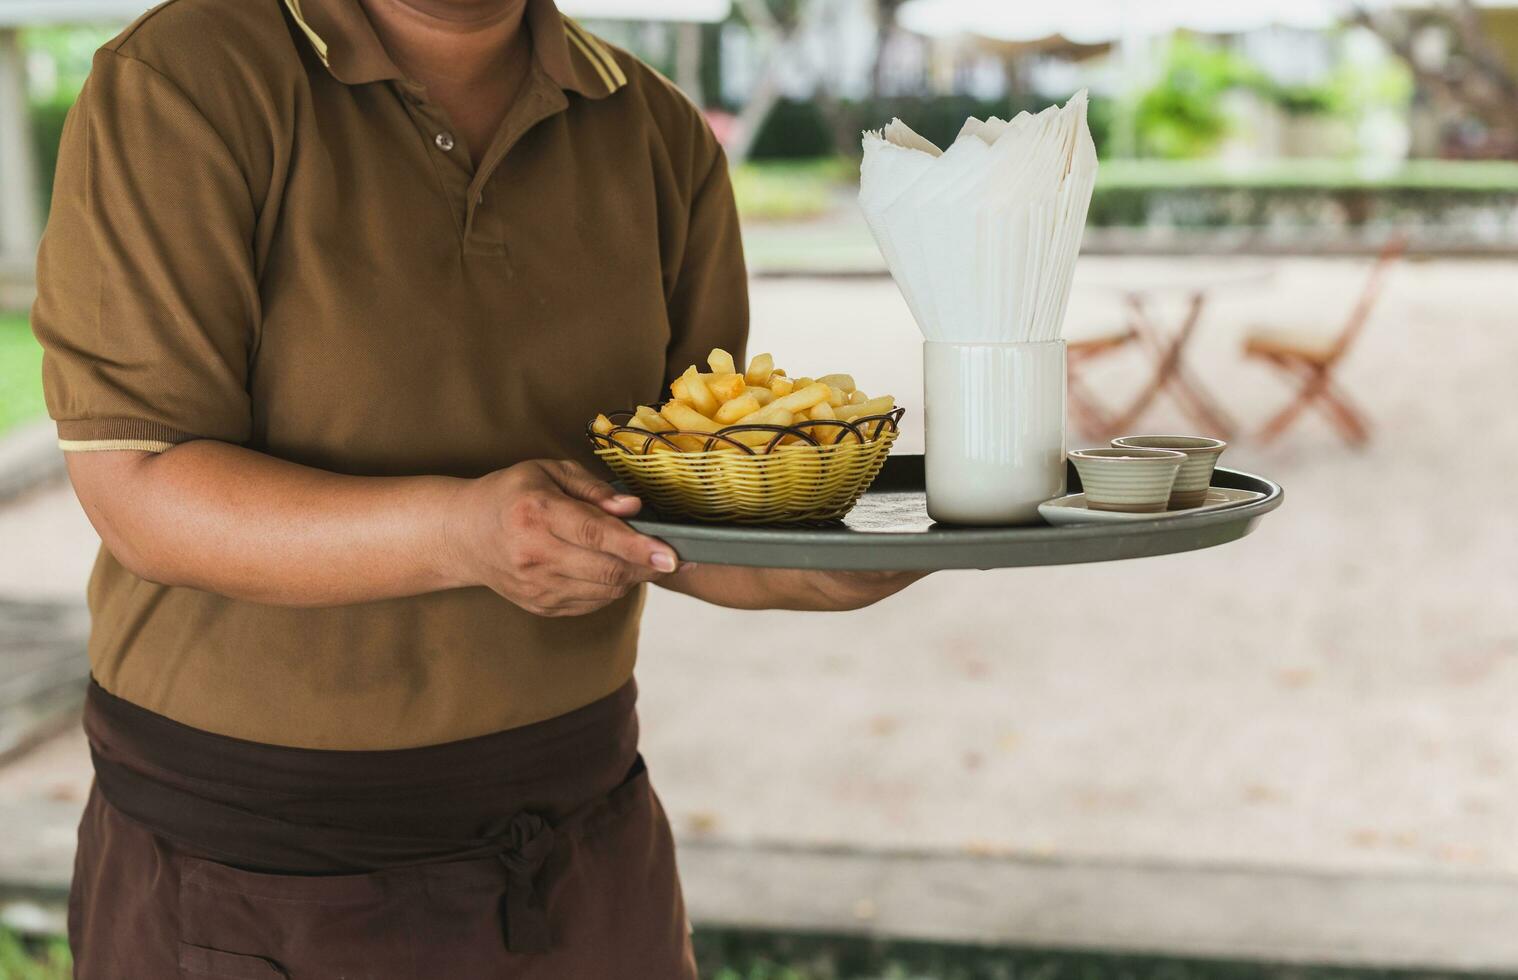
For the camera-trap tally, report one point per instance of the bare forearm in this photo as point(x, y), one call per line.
point(229, 520)
point(786, 588)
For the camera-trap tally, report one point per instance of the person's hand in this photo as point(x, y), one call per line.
point(546, 535)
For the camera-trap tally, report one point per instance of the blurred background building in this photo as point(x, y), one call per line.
point(1299, 747)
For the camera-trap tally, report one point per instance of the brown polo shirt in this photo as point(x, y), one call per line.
point(263, 234)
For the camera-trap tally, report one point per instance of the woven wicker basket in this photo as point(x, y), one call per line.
point(809, 480)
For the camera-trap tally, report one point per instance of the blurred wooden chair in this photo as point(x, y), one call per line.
point(1090, 417)
point(1311, 358)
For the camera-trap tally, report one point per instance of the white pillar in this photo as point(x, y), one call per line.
point(688, 61)
point(19, 220)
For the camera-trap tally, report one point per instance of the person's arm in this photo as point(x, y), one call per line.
point(786, 588)
point(543, 534)
point(148, 310)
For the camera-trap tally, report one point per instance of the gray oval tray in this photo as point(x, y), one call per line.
point(890, 529)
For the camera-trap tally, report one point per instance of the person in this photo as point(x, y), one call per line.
point(328, 292)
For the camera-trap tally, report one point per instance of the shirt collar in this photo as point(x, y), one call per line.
point(342, 37)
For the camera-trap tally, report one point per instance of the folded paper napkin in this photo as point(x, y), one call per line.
point(982, 237)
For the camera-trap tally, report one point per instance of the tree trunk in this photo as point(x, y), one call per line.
point(766, 93)
point(688, 61)
point(1474, 81)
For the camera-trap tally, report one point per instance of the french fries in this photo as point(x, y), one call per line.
point(604, 426)
point(771, 414)
point(801, 399)
point(683, 416)
point(692, 389)
point(736, 408)
point(726, 387)
point(759, 370)
point(825, 434)
point(647, 418)
point(720, 361)
point(706, 403)
point(873, 406)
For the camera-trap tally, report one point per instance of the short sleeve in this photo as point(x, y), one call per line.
point(147, 300)
point(708, 301)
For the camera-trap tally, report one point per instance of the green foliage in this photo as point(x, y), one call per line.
point(800, 129)
point(1301, 192)
point(725, 954)
point(1182, 115)
point(1304, 100)
point(939, 118)
point(794, 129)
point(28, 960)
point(778, 190)
point(762, 969)
point(1188, 193)
point(1454, 176)
point(785, 12)
point(20, 375)
point(1355, 88)
point(1352, 89)
point(47, 129)
point(70, 50)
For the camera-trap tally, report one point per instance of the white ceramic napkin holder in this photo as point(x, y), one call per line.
point(995, 415)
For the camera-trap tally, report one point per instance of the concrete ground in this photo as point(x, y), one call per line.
point(1298, 745)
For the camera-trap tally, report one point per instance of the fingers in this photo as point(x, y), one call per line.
point(581, 484)
point(562, 549)
point(584, 526)
point(573, 609)
point(606, 576)
point(565, 596)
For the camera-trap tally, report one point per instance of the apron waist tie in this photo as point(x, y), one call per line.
point(524, 916)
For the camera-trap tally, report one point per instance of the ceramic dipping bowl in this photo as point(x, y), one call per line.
point(1195, 477)
point(1134, 481)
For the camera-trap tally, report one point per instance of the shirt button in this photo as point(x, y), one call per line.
point(444, 141)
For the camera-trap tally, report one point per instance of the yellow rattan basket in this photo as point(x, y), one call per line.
point(808, 480)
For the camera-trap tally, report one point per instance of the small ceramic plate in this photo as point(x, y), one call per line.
point(1072, 509)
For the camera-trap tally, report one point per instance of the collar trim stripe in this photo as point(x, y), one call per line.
point(606, 79)
point(316, 39)
point(605, 64)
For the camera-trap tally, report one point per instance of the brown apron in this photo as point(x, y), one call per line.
point(539, 852)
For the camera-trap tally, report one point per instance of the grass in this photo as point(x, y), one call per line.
point(745, 955)
point(791, 190)
point(20, 375)
point(748, 955)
